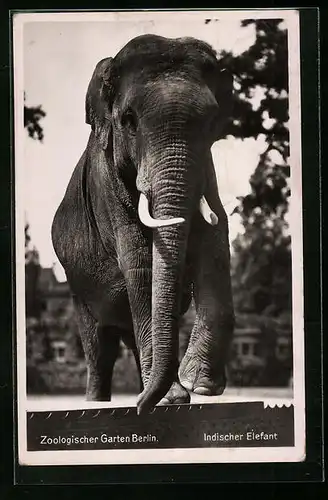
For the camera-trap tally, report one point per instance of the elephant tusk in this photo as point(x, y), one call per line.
point(207, 213)
point(148, 220)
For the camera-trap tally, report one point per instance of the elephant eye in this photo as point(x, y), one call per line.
point(129, 120)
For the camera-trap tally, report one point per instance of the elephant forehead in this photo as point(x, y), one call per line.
point(153, 43)
point(166, 91)
point(180, 93)
point(170, 87)
point(149, 56)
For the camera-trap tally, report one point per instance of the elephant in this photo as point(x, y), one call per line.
point(141, 230)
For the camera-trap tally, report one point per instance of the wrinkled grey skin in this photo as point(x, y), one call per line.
point(155, 110)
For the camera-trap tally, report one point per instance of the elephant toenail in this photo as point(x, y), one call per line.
point(186, 384)
point(209, 391)
point(204, 391)
point(164, 402)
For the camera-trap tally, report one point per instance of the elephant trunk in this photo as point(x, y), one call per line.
point(174, 183)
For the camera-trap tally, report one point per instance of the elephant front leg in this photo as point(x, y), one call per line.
point(136, 263)
point(202, 370)
point(139, 284)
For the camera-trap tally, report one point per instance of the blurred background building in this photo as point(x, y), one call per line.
point(261, 351)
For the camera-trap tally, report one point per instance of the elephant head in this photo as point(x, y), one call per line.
point(156, 108)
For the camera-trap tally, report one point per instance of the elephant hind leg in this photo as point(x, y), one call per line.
point(129, 341)
point(101, 346)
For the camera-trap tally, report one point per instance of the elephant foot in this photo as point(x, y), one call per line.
point(96, 394)
point(176, 395)
point(197, 377)
point(97, 397)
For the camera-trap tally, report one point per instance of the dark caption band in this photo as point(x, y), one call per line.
point(177, 426)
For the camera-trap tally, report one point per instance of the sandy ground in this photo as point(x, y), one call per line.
point(269, 396)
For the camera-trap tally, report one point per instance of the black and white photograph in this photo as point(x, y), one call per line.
point(159, 265)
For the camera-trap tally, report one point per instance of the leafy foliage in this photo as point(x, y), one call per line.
point(263, 66)
point(33, 300)
point(32, 117)
point(261, 264)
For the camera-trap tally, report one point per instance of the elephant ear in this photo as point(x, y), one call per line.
point(98, 102)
